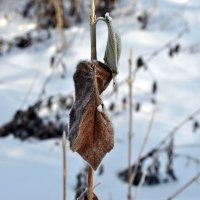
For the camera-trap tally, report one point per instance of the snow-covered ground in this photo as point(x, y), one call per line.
point(33, 169)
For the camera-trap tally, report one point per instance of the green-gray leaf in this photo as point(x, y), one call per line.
point(113, 47)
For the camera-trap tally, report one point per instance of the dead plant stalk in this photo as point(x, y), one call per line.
point(130, 132)
point(60, 22)
point(64, 147)
point(140, 186)
point(93, 57)
point(143, 146)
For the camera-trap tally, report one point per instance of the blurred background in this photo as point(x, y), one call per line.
point(41, 43)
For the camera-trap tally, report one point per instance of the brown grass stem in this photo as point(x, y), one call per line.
point(60, 22)
point(93, 31)
point(90, 183)
point(64, 147)
point(93, 57)
point(140, 186)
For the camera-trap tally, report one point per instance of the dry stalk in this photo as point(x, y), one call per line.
point(171, 134)
point(93, 32)
point(29, 91)
point(130, 132)
point(143, 146)
point(184, 187)
point(178, 127)
point(64, 147)
point(140, 185)
point(110, 196)
point(90, 183)
point(93, 57)
point(60, 22)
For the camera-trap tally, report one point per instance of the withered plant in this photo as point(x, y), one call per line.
point(90, 130)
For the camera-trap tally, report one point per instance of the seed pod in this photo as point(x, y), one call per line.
point(177, 48)
point(196, 126)
point(140, 62)
point(154, 87)
point(137, 107)
point(124, 103)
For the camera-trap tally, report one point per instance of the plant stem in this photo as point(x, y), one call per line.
point(64, 166)
point(177, 127)
point(93, 32)
point(140, 185)
point(130, 84)
point(93, 57)
point(143, 146)
point(90, 183)
point(60, 22)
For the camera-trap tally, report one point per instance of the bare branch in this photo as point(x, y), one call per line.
point(178, 127)
point(143, 146)
point(140, 185)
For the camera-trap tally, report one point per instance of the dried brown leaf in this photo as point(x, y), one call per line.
point(90, 132)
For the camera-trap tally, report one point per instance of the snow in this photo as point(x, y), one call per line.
point(33, 169)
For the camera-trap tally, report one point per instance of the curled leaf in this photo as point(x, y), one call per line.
point(113, 47)
point(90, 131)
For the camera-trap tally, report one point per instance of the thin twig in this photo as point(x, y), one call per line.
point(46, 81)
point(130, 132)
point(188, 146)
point(110, 196)
point(140, 185)
point(187, 157)
point(152, 56)
point(143, 146)
point(64, 146)
point(29, 91)
point(178, 127)
point(184, 187)
point(58, 60)
point(170, 135)
point(167, 45)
